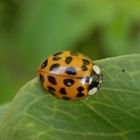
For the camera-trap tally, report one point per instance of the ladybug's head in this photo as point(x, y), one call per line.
point(95, 80)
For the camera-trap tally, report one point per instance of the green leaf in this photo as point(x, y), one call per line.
point(111, 114)
point(3, 109)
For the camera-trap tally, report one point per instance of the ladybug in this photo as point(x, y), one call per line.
point(70, 76)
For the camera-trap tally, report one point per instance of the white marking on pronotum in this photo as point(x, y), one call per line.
point(97, 69)
point(92, 91)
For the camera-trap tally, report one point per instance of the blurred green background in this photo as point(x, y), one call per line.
point(30, 30)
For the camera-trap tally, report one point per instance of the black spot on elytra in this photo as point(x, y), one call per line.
point(70, 70)
point(56, 58)
point(51, 90)
point(54, 67)
point(44, 64)
point(68, 60)
point(68, 82)
point(84, 68)
point(58, 53)
point(123, 70)
point(80, 94)
point(41, 78)
point(80, 89)
point(86, 62)
point(63, 91)
point(66, 98)
point(52, 80)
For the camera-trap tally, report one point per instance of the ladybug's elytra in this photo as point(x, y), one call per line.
point(70, 76)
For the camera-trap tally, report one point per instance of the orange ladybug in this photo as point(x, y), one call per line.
point(70, 76)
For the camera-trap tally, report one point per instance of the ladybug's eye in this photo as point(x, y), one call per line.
point(44, 64)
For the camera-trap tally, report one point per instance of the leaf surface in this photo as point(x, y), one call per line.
point(3, 109)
